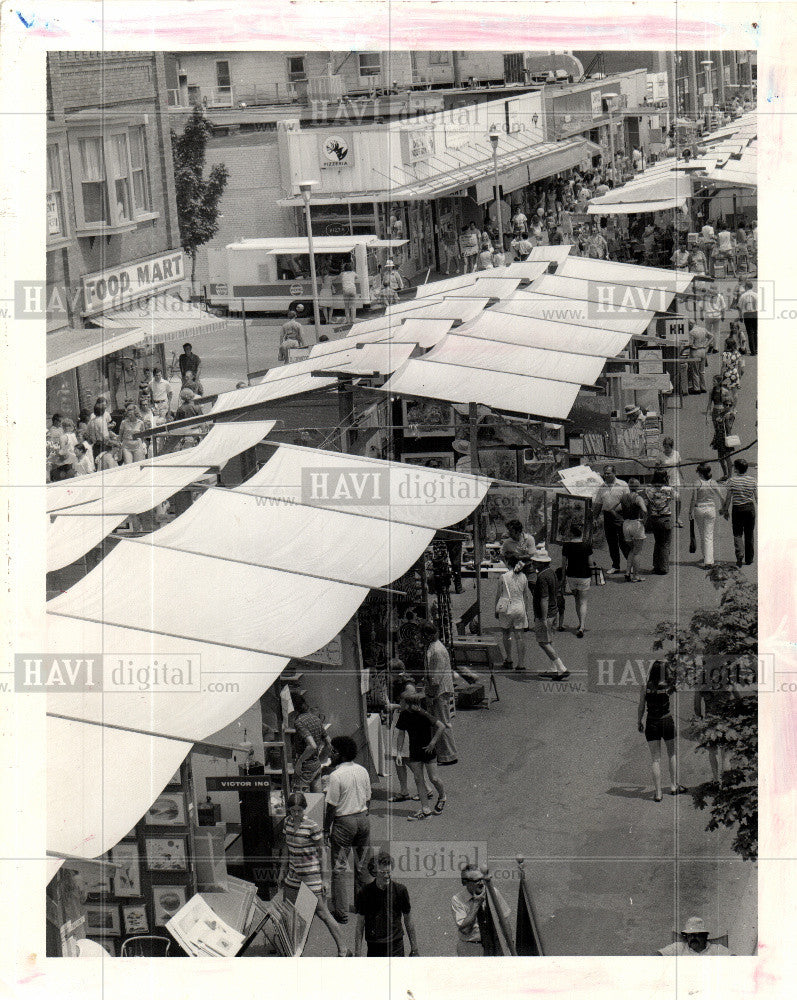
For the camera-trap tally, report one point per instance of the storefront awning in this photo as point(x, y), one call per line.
point(475, 164)
point(238, 584)
point(141, 325)
point(72, 347)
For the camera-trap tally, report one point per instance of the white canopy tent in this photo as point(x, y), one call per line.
point(423, 332)
point(229, 582)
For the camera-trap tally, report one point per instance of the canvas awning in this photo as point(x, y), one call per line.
point(490, 354)
point(90, 513)
point(269, 391)
point(605, 295)
point(70, 348)
point(504, 327)
point(424, 332)
point(221, 443)
point(451, 307)
point(230, 582)
point(625, 274)
point(576, 312)
point(161, 318)
point(661, 192)
point(378, 358)
point(511, 392)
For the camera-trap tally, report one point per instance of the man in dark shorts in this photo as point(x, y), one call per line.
point(545, 608)
point(383, 914)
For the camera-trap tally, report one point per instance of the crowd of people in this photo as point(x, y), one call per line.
point(100, 439)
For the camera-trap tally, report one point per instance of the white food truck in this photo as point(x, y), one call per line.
point(270, 275)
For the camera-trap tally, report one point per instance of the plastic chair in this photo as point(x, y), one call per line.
point(146, 946)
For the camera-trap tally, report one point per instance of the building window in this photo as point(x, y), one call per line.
point(138, 161)
point(55, 202)
point(111, 179)
point(439, 58)
point(223, 74)
point(296, 69)
point(370, 64)
point(94, 192)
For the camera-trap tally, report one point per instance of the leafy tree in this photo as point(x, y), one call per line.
point(197, 198)
point(724, 639)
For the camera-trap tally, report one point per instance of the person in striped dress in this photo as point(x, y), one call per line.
point(302, 864)
point(740, 501)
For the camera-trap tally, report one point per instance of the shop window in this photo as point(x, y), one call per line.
point(111, 180)
point(370, 63)
point(223, 74)
point(297, 72)
point(55, 201)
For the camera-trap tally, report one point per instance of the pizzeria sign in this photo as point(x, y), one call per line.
point(119, 286)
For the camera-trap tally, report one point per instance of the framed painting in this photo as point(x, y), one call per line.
point(102, 921)
point(135, 919)
point(167, 810)
point(571, 519)
point(127, 877)
point(427, 418)
point(166, 854)
point(166, 901)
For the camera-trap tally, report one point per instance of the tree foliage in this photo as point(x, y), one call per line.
point(197, 197)
point(726, 638)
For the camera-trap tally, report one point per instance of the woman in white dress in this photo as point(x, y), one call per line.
point(510, 610)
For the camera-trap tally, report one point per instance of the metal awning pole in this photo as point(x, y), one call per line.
point(477, 533)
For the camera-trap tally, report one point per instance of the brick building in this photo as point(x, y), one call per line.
point(115, 268)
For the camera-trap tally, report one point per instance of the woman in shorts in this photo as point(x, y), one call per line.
point(654, 700)
point(302, 864)
point(422, 731)
point(634, 513)
point(577, 571)
point(513, 589)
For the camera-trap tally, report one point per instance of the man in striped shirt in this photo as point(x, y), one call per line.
point(740, 500)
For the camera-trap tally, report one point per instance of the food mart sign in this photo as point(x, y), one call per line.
point(116, 286)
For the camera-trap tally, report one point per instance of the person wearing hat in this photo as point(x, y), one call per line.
point(544, 602)
point(472, 914)
point(693, 939)
point(462, 448)
point(629, 437)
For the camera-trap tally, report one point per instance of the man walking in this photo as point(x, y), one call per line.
point(161, 392)
point(545, 608)
point(440, 690)
point(384, 914)
point(740, 500)
point(699, 342)
point(748, 310)
point(346, 821)
point(608, 500)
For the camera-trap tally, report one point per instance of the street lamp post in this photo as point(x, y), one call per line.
point(707, 64)
point(499, 218)
point(306, 187)
point(610, 99)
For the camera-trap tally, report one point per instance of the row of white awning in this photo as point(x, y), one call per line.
point(246, 579)
point(730, 160)
point(85, 510)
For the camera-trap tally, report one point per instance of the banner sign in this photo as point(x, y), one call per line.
point(112, 288)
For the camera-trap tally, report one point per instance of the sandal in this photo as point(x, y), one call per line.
point(440, 806)
point(418, 816)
